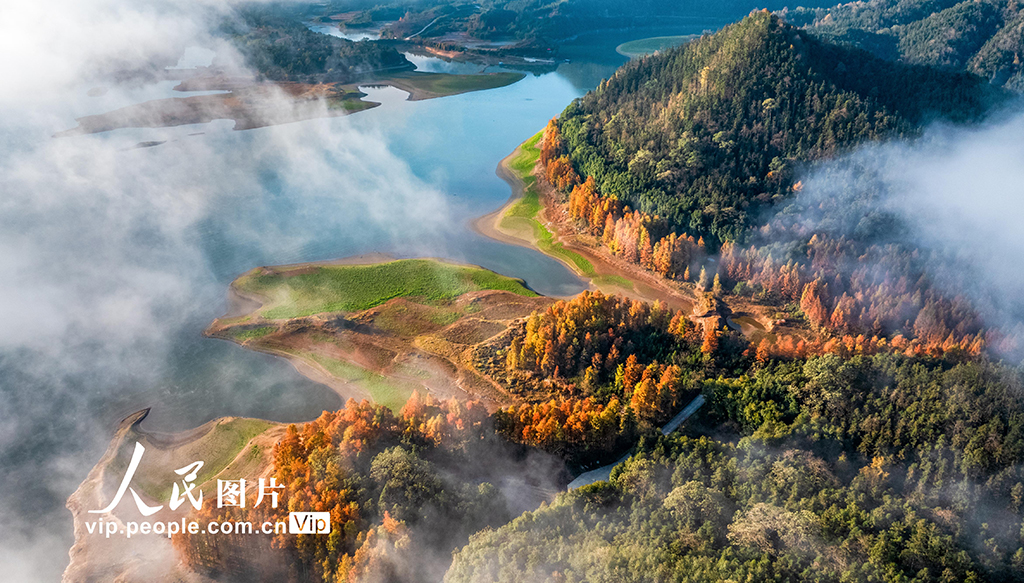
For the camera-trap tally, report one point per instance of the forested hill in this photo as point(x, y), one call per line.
point(874, 469)
point(984, 37)
point(707, 134)
point(547, 23)
point(281, 49)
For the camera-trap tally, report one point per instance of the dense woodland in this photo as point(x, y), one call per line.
point(541, 24)
point(708, 135)
point(848, 270)
point(865, 468)
point(984, 37)
point(281, 49)
point(883, 447)
point(859, 277)
point(883, 443)
point(596, 372)
point(882, 468)
point(644, 166)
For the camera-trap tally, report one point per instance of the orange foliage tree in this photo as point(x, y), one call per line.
point(365, 467)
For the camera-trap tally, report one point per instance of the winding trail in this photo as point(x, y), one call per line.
point(683, 415)
point(603, 473)
point(424, 29)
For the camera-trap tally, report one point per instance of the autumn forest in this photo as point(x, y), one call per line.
point(864, 417)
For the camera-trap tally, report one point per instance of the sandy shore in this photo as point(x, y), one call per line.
point(749, 318)
point(489, 225)
point(645, 286)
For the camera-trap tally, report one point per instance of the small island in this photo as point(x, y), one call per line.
point(648, 46)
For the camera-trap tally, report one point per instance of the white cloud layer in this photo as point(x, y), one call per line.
point(112, 258)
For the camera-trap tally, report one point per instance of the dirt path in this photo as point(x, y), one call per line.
point(603, 473)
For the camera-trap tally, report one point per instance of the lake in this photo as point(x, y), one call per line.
point(131, 270)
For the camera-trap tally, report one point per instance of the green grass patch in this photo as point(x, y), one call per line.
point(523, 214)
point(615, 280)
point(413, 371)
point(350, 105)
point(227, 440)
point(528, 206)
point(352, 288)
point(546, 244)
point(387, 392)
point(527, 156)
point(649, 46)
point(251, 333)
point(216, 450)
point(412, 320)
point(522, 164)
point(444, 317)
point(449, 84)
point(348, 98)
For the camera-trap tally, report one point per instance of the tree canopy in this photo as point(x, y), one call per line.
point(709, 134)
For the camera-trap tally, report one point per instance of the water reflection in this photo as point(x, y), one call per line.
point(331, 29)
point(429, 64)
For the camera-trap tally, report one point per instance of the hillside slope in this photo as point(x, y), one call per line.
point(983, 37)
point(899, 478)
point(708, 134)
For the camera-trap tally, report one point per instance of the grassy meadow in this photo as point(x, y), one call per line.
point(388, 392)
point(443, 84)
point(216, 449)
point(353, 288)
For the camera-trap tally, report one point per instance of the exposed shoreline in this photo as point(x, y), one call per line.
point(489, 224)
point(738, 313)
point(254, 105)
point(645, 286)
point(97, 556)
point(90, 551)
point(412, 362)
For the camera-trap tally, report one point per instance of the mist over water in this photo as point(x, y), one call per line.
point(115, 258)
